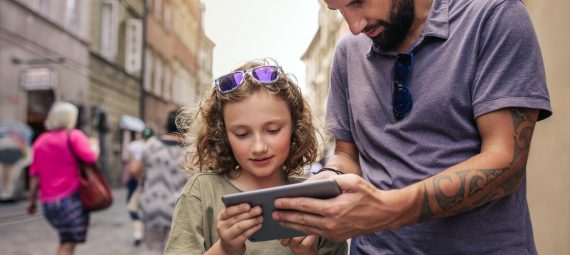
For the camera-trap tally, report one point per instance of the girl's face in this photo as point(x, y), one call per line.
point(259, 130)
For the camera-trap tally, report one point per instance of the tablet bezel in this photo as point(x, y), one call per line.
point(270, 230)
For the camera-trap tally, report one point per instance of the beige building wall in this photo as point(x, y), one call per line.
point(548, 168)
point(318, 59)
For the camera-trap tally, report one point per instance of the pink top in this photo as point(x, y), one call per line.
point(54, 163)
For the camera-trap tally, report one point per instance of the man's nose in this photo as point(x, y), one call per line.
point(355, 23)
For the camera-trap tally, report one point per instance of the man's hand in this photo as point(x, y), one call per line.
point(360, 209)
point(322, 176)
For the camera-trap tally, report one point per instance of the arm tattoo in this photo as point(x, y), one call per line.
point(425, 213)
point(474, 182)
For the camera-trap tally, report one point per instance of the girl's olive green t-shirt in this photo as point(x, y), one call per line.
point(193, 229)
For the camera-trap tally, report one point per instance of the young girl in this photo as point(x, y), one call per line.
point(255, 132)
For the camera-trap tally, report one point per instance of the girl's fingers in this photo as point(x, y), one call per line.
point(234, 214)
point(309, 240)
point(233, 222)
point(245, 235)
point(295, 241)
point(285, 242)
point(231, 211)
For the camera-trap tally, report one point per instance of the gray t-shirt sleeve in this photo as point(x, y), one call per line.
point(510, 71)
point(338, 112)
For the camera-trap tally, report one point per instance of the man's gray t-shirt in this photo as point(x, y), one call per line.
point(473, 57)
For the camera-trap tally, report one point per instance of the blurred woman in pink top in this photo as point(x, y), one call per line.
point(55, 171)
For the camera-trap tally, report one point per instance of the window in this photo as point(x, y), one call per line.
point(72, 15)
point(167, 89)
point(109, 28)
point(148, 71)
point(157, 9)
point(133, 45)
point(157, 83)
point(167, 18)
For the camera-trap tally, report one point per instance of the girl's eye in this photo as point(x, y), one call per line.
point(274, 131)
point(241, 135)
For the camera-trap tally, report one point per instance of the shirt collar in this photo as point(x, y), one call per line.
point(437, 25)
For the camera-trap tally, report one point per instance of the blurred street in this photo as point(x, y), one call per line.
point(109, 231)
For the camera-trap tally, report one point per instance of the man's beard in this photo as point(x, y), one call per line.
point(396, 29)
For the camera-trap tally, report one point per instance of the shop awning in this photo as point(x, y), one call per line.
point(131, 123)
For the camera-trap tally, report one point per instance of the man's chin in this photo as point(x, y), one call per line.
point(383, 45)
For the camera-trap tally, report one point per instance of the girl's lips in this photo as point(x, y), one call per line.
point(261, 162)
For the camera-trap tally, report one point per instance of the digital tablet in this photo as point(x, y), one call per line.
point(265, 198)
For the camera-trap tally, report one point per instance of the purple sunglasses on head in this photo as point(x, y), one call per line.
point(262, 74)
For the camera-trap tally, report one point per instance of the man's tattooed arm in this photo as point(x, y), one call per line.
point(464, 187)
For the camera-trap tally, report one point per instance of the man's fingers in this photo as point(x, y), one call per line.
point(301, 219)
point(322, 176)
point(350, 182)
point(306, 229)
point(303, 204)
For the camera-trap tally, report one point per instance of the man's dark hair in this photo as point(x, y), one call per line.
point(171, 122)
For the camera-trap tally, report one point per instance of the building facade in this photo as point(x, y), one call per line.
point(205, 65)
point(124, 63)
point(175, 55)
point(44, 57)
point(115, 64)
point(318, 58)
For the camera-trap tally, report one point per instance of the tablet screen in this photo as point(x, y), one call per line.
point(270, 229)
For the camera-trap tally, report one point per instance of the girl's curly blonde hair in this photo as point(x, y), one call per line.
point(212, 151)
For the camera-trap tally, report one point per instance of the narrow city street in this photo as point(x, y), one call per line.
point(109, 232)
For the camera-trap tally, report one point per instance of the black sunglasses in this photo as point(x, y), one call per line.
point(402, 98)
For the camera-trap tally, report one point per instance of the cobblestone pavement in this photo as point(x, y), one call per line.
point(109, 231)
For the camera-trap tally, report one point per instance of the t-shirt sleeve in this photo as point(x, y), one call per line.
point(187, 229)
point(337, 115)
point(510, 70)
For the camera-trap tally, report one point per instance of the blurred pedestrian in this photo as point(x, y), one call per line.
point(15, 156)
point(162, 180)
point(56, 172)
point(133, 151)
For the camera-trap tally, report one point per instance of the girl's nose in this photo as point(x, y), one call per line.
point(259, 145)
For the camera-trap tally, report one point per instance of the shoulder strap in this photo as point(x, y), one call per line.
point(71, 149)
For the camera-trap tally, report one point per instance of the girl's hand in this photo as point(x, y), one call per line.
point(301, 245)
point(236, 224)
